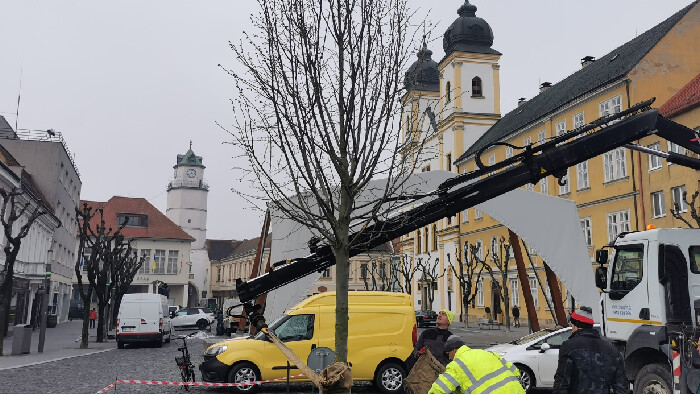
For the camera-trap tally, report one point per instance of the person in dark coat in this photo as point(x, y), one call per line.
point(588, 364)
point(516, 316)
point(435, 338)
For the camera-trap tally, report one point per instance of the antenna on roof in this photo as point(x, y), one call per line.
point(19, 95)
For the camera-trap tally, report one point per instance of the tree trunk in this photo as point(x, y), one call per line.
point(465, 307)
point(86, 319)
point(115, 310)
point(100, 322)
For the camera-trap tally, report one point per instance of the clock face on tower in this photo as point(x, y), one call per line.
point(191, 173)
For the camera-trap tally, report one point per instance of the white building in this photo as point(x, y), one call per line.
point(187, 207)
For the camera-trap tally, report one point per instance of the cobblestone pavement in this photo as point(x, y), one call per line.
point(90, 373)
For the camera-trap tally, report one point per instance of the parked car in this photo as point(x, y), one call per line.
point(76, 310)
point(380, 337)
point(426, 318)
point(194, 317)
point(143, 317)
point(536, 355)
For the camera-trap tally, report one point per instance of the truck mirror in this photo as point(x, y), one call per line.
point(601, 276)
point(601, 256)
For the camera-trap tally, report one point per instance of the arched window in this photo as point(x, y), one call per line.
point(448, 92)
point(418, 238)
point(435, 237)
point(425, 235)
point(494, 248)
point(476, 87)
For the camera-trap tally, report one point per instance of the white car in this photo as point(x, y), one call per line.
point(193, 317)
point(536, 355)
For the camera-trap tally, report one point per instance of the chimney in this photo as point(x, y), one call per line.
point(544, 86)
point(587, 61)
point(521, 101)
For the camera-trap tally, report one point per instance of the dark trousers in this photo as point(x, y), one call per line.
point(92, 323)
point(516, 321)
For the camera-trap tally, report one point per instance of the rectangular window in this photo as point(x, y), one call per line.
point(658, 204)
point(132, 220)
point(159, 262)
point(172, 262)
point(561, 128)
point(578, 120)
point(541, 136)
point(492, 159)
point(147, 262)
point(514, 292)
point(582, 176)
point(465, 216)
point(479, 249)
point(382, 271)
point(587, 230)
point(675, 148)
point(477, 214)
point(527, 141)
point(363, 271)
point(618, 222)
point(615, 164)
point(509, 152)
point(326, 273)
point(426, 168)
point(480, 293)
point(654, 161)
point(534, 291)
point(448, 162)
point(530, 186)
point(218, 274)
point(611, 106)
point(566, 189)
point(679, 199)
point(544, 185)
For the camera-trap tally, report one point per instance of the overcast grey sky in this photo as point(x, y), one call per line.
point(130, 83)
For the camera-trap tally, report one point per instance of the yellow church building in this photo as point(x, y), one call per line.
point(616, 192)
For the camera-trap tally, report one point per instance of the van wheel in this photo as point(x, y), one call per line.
point(159, 342)
point(653, 378)
point(389, 378)
point(202, 324)
point(244, 373)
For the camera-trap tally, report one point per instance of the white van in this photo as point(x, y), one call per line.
point(143, 317)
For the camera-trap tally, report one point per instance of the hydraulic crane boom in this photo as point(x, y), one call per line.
point(465, 191)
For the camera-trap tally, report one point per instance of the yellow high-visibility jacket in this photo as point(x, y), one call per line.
point(478, 372)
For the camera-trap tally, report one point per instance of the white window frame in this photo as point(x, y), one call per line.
point(611, 106)
point(677, 195)
point(492, 159)
point(561, 127)
point(658, 204)
point(675, 148)
point(544, 185)
point(477, 214)
point(541, 136)
point(655, 162)
point(494, 248)
point(480, 249)
point(618, 222)
point(514, 292)
point(615, 165)
point(534, 291)
point(587, 228)
point(480, 292)
point(578, 120)
point(582, 181)
point(509, 152)
point(566, 188)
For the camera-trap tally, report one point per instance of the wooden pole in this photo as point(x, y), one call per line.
point(553, 283)
point(524, 281)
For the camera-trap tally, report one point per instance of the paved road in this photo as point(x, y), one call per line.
point(92, 372)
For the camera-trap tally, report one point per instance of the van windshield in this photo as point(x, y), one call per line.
point(272, 326)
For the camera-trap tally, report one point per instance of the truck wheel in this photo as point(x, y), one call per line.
point(244, 373)
point(653, 379)
point(389, 378)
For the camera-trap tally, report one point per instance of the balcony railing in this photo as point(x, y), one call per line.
point(30, 269)
point(188, 184)
point(49, 136)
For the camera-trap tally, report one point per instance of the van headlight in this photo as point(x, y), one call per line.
point(216, 350)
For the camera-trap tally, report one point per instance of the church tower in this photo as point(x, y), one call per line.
point(187, 197)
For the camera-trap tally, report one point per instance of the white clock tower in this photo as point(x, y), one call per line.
point(187, 207)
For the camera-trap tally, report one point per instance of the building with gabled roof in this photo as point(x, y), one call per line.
point(163, 244)
point(616, 192)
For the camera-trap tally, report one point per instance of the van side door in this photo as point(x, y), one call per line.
point(298, 333)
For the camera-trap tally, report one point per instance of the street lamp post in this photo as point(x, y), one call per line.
point(45, 303)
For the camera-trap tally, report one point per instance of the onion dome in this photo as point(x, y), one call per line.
point(468, 33)
point(423, 74)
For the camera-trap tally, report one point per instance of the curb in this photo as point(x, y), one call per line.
point(54, 359)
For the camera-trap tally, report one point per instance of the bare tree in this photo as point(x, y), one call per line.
point(467, 272)
point(430, 273)
point(498, 270)
point(13, 215)
point(122, 276)
point(403, 273)
point(376, 277)
point(676, 211)
point(315, 117)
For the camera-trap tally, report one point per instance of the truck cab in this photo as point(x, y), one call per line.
point(650, 283)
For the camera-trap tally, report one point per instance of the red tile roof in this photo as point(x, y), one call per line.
point(159, 226)
point(686, 98)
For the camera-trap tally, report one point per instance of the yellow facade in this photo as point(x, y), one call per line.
point(620, 201)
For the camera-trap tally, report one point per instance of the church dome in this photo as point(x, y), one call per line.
point(423, 73)
point(468, 33)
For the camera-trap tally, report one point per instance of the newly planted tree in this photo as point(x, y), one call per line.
point(467, 270)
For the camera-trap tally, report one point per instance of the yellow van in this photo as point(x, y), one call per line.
point(381, 335)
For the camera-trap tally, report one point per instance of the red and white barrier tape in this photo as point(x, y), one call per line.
point(206, 384)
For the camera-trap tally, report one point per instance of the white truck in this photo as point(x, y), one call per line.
point(650, 305)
